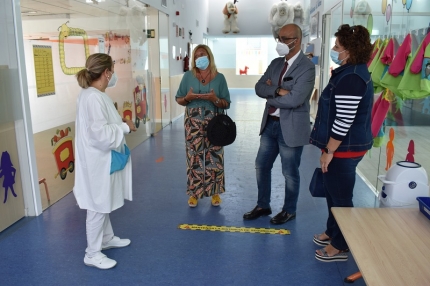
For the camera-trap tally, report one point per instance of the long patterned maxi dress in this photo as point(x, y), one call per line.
point(205, 162)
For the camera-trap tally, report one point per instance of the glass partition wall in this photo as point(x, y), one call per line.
point(404, 133)
point(58, 37)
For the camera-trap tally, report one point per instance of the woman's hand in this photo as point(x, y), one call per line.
point(191, 95)
point(211, 96)
point(325, 160)
point(130, 125)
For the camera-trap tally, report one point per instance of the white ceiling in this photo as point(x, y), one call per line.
point(42, 9)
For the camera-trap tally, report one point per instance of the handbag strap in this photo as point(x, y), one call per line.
point(224, 111)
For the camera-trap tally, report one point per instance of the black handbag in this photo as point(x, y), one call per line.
point(316, 187)
point(221, 130)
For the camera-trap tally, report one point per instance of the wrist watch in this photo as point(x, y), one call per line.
point(216, 101)
point(277, 91)
point(327, 150)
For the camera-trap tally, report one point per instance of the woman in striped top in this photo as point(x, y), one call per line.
point(342, 130)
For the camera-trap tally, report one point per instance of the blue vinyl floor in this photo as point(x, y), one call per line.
point(49, 249)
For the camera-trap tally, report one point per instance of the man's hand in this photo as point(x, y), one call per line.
point(283, 92)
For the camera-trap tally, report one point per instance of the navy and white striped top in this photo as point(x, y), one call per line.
point(348, 95)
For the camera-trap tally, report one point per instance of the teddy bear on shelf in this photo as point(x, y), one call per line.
point(281, 14)
point(230, 18)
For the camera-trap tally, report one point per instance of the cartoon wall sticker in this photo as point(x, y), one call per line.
point(63, 152)
point(66, 31)
point(8, 172)
point(411, 152)
point(140, 102)
point(390, 150)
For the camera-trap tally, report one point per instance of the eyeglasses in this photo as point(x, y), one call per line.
point(283, 39)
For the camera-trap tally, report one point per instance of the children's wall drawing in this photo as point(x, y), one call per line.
point(65, 32)
point(63, 152)
point(390, 150)
point(140, 102)
point(411, 152)
point(127, 112)
point(7, 172)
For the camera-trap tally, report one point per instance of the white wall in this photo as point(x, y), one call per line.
point(193, 16)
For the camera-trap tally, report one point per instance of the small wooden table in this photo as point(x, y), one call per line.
point(391, 246)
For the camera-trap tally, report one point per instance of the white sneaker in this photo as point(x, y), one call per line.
point(100, 261)
point(116, 242)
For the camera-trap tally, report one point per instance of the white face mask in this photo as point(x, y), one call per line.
point(284, 49)
point(113, 80)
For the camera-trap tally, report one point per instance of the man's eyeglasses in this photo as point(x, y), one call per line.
point(284, 39)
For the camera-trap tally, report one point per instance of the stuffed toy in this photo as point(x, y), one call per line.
point(134, 19)
point(280, 15)
point(299, 14)
point(361, 13)
point(230, 18)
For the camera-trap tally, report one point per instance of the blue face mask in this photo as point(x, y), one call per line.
point(202, 62)
point(334, 55)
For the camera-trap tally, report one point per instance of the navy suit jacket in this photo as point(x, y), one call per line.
point(294, 107)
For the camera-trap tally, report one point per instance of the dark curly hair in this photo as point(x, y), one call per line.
point(356, 40)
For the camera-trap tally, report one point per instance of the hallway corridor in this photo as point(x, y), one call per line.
point(49, 249)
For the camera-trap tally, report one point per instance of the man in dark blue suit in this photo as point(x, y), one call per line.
point(286, 85)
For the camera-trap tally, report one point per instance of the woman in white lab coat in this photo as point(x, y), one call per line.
point(99, 131)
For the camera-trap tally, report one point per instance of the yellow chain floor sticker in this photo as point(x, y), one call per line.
point(234, 229)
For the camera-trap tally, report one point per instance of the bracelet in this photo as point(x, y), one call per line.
point(186, 100)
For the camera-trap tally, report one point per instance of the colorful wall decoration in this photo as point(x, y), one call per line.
point(44, 70)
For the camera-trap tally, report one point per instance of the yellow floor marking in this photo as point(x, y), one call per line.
point(233, 229)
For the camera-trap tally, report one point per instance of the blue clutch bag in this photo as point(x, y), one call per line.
point(316, 187)
point(119, 160)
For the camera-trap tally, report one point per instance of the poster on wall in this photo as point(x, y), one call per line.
point(44, 70)
point(314, 26)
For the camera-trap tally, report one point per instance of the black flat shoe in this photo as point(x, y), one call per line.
point(282, 217)
point(256, 213)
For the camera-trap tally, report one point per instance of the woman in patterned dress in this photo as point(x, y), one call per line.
point(203, 91)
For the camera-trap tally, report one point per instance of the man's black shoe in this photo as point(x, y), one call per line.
point(256, 213)
point(282, 217)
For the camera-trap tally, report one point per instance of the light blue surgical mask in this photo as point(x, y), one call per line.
point(202, 62)
point(112, 80)
point(334, 55)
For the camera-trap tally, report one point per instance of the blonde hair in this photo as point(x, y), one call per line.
point(94, 67)
point(212, 66)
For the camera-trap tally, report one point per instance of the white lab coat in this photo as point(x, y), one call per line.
point(99, 129)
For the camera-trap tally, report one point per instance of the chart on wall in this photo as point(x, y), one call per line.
point(44, 70)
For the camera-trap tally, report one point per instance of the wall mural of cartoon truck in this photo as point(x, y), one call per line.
point(63, 152)
point(127, 112)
